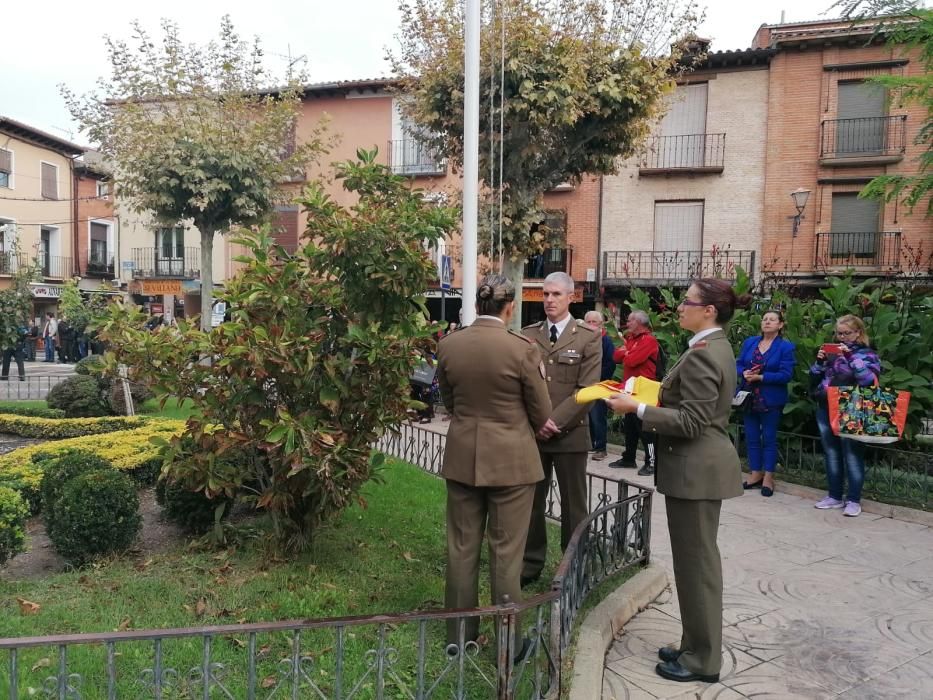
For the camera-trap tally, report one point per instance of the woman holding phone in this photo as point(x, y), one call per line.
point(765, 366)
point(849, 361)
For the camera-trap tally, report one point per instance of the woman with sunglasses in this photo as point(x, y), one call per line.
point(848, 362)
point(697, 467)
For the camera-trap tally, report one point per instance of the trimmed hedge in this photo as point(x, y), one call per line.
point(13, 514)
point(79, 396)
point(58, 428)
point(97, 513)
point(10, 408)
point(59, 469)
point(129, 451)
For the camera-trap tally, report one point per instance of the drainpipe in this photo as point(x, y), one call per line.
point(75, 266)
point(599, 243)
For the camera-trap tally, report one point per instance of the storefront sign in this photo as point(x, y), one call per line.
point(537, 294)
point(162, 287)
point(156, 308)
point(46, 291)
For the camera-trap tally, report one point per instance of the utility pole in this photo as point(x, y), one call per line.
point(470, 156)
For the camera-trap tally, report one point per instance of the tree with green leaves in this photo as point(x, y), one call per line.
point(16, 301)
point(907, 27)
point(313, 365)
point(201, 134)
point(567, 88)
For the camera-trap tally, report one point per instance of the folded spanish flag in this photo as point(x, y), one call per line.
point(642, 389)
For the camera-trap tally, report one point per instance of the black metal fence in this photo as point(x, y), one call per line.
point(863, 137)
point(100, 266)
point(11, 262)
point(687, 152)
point(404, 655)
point(666, 266)
point(154, 262)
point(33, 388)
point(55, 266)
point(411, 157)
point(859, 249)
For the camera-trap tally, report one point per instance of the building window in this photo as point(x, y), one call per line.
point(683, 129)
point(855, 226)
point(170, 251)
point(678, 226)
point(98, 253)
point(861, 123)
point(103, 189)
point(49, 181)
point(6, 168)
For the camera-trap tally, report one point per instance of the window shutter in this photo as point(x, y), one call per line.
point(98, 232)
point(678, 226)
point(855, 225)
point(285, 226)
point(49, 181)
point(6, 161)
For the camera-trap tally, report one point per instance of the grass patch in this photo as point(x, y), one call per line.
point(384, 555)
point(173, 409)
point(9, 406)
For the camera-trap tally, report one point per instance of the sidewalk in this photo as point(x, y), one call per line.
point(816, 605)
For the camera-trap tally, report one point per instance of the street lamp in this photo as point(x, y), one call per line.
point(800, 197)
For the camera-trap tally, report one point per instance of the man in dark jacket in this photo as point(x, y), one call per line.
point(599, 420)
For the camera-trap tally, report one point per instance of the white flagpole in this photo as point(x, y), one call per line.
point(470, 156)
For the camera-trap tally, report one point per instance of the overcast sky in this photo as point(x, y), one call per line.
point(52, 42)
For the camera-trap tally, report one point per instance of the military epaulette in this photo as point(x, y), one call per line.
point(539, 324)
point(699, 345)
point(523, 337)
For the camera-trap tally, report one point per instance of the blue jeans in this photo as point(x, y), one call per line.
point(839, 452)
point(599, 425)
point(49, 349)
point(761, 439)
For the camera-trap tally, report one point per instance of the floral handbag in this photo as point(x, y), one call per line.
point(872, 414)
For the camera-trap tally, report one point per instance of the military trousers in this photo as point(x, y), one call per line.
point(501, 513)
point(570, 469)
point(693, 527)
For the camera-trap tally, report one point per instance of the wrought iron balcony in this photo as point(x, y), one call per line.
point(179, 263)
point(877, 249)
point(54, 266)
point(100, 266)
point(698, 153)
point(411, 157)
point(11, 263)
point(551, 260)
point(866, 137)
point(658, 267)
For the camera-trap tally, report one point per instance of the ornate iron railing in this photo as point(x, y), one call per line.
point(666, 266)
point(690, 152)
point(863, 137)
point(540, 265)
point(153, 262)
point(99, 266)
point(54, 266)
point(11, 263)
point(402, 655)
point(411, 157)
point(859, 249)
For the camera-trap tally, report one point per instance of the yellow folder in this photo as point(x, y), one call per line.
point(641, 389)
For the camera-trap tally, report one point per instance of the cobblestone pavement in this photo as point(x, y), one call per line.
point(816, 605)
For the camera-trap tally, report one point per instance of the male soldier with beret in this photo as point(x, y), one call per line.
point(572, 353)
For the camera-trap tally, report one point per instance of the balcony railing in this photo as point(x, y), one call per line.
point(691, 152)
point(864, 137)
point(551, 260)
point(153, 262)
point(11, 262)
point(651, 267)
point(54, 266)
point(100, 266)
point(881, 249)
point(411, 157)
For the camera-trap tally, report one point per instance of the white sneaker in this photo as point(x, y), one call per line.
point(853, 509)
point(829, 502)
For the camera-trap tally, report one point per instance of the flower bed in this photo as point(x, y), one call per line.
point(59, 428)
point(129, 450)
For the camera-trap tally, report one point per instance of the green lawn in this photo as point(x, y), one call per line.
point(22, 404)
point(172, 409)
point(384, 555)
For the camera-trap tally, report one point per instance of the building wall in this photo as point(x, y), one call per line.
point(92, 208)
point(734, 207)
point(802, 96)
point(29, 216)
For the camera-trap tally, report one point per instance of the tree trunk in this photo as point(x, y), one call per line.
point(515, 271)
point(207, 277)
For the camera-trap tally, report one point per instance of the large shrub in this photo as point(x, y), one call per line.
point(79, 396)
point(96, 513)
point(13, 514)
point(191, 510)
point(58, 469)
point(313, 364)
point(92, 366)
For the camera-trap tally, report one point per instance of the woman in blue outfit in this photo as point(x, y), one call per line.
point(765, 365)
point(848, 362)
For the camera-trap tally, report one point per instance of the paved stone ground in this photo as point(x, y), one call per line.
point(816, 606)
point(40, 377)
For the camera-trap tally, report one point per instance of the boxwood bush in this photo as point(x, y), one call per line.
point(14, 408)
point(13, 514)
point(96, 513)
point(59, 469)
point(79, 396)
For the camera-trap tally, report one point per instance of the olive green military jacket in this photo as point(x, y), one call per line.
point(492, 383)
point(696, 460)
point(572, 363)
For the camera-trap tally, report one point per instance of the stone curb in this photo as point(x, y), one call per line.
point(910, 515)
point(600, 626)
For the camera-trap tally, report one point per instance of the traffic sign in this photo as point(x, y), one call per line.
point(447, 272)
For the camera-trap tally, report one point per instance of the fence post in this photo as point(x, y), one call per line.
point(127, 394)
point(505, 643)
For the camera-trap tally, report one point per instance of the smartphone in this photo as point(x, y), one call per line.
point(831, 348)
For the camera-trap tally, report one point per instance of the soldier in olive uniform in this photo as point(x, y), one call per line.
point(572, 353)
point(697, 468)
point(492, 383)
